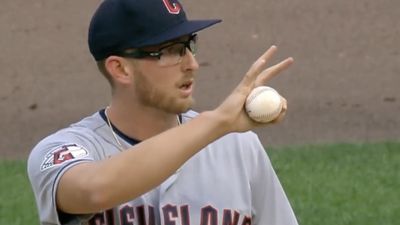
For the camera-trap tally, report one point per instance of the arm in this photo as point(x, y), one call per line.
point(82, 190)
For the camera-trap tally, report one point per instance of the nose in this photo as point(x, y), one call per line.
point(189, 62)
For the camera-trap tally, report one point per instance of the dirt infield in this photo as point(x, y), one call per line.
point(343, 87)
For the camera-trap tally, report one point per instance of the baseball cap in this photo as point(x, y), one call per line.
point(121, 24)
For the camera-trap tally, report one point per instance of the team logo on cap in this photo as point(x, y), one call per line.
point(62, 154)
point(173, 8)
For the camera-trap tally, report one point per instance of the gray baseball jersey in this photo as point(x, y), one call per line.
point(229, 182)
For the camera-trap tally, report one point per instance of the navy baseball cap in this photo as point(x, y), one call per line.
point(121, 24)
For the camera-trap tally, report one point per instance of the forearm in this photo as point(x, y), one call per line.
point(157, 158)
point(140, 168)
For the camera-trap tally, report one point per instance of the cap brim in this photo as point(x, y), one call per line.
point(185, 28)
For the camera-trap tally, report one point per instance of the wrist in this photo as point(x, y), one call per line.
point(219, 124)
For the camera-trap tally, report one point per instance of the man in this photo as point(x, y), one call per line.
point(147, 159)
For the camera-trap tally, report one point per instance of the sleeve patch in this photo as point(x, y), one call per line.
point(62, 154)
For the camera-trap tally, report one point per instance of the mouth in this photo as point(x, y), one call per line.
point(186, 88)
point(186, 85)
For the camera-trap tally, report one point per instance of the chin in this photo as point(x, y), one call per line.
point(184, 106)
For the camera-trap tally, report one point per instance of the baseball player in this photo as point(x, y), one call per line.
point(147, 159)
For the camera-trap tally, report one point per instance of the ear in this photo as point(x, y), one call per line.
point(119, 69)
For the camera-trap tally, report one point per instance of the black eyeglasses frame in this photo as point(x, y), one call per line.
point(140, 53)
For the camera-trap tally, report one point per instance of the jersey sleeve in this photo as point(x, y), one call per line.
point(48, 161)
point(270, 203)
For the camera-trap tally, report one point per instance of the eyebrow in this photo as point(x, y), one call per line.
point(164, 44)
point(153, 48)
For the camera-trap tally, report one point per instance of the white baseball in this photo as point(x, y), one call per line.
point(263, 104)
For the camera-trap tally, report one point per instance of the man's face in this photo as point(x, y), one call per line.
point(168, 88)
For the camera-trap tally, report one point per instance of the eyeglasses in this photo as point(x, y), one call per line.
point(168, 55)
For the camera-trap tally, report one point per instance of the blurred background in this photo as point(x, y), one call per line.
point(343, 87)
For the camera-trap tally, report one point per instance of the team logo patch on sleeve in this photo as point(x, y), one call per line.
point(62, 154)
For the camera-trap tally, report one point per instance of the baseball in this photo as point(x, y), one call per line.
point(263, 104)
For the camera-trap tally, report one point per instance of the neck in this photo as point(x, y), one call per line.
point(138, 122)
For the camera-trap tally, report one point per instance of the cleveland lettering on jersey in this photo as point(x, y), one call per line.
point(172, 215)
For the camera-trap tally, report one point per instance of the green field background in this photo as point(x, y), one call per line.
point(338, 184)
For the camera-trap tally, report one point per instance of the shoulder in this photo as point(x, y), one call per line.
point(244, 143)
point(80, 132)
point(77, 140)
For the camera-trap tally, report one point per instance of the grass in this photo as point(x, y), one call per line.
point(342, 183)
point(338, 184)
point(17, 205)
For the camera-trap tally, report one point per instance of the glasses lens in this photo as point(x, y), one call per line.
point(172, 54)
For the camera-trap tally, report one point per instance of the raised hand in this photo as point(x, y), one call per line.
point(231, 112)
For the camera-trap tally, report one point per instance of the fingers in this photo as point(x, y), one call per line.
point(273, 71)
point(282, 114)
point(257, 67)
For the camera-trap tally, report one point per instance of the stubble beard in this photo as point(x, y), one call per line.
point(152, 97)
